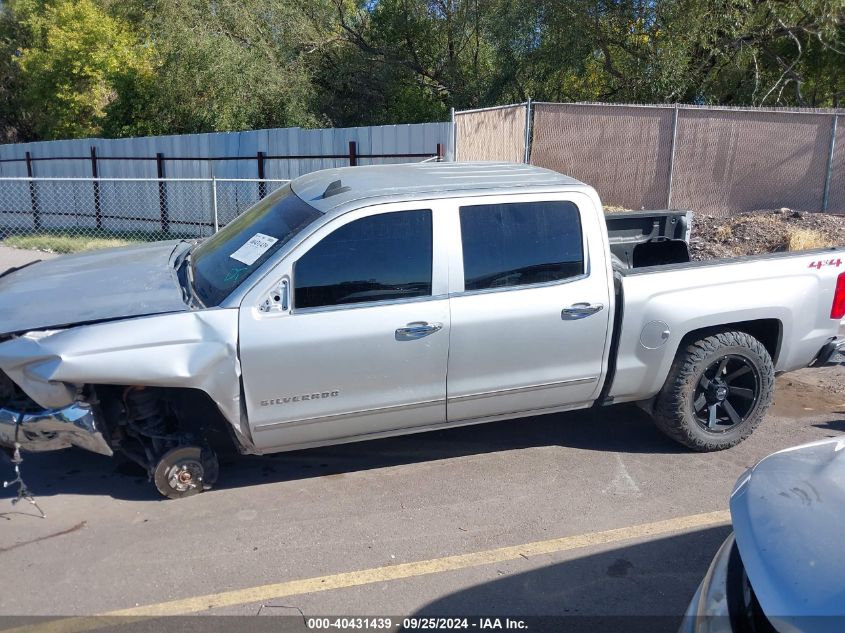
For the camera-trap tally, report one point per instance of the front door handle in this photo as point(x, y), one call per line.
point(580, 310)
point(417, 329)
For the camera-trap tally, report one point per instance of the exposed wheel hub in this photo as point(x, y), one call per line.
point(185, 471)
point(185, 475)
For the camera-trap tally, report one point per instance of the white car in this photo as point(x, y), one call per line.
point(783, 568)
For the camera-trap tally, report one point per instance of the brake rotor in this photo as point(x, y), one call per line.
point(185, 471)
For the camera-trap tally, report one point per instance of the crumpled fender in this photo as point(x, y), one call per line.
point(191, 349)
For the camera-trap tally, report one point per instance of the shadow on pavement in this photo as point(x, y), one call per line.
point(833, 425)
point(624, 429)
point(641, 587)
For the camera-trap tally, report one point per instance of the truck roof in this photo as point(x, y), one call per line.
point(345, 187)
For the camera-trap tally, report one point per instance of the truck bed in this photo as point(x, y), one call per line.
point(783, 299)
point(648, 238)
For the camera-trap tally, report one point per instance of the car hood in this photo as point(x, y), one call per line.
point(96, 286)
point(788, 514)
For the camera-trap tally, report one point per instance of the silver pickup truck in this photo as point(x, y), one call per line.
point(364, 302)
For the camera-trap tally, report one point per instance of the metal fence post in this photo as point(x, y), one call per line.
point(353, 154)
point(214, 202)
point(262, 186)
point(672, 157)
point(33, 195)
point(527, 156)
point(98, 208)
point(454, 136)
point(829, 172)
point(162, 194)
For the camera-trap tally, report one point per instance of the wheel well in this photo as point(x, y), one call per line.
point(194, 410)
point(768, 331)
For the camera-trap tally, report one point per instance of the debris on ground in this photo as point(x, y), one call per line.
point(23, 490)
point(760, 232)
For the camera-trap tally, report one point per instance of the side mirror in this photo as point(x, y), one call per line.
point(277, 299)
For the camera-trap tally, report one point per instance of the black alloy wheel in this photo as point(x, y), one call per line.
point(717, 391)
point(726, 393)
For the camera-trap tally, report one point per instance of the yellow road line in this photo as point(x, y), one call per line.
point(264, 593)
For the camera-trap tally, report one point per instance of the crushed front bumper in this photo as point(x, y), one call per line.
point(833, 353)
point(53, 429)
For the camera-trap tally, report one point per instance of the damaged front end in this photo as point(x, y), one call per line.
point(161, 390)
point(24, 423)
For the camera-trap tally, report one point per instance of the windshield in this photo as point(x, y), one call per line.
point(222, 262)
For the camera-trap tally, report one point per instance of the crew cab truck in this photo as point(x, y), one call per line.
point(364, 302)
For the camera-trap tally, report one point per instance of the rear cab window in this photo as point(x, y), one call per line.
point(518, 244)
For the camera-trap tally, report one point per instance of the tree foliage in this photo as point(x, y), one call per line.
point(71, 58)
point(227, 66)
point(128, 67)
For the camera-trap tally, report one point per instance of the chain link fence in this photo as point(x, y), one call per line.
point(499, 133)
point(89, 193)
point(718, 160)
point(625, 153)
point(127, 209)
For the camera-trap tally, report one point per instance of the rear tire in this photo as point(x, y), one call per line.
point(717, 392)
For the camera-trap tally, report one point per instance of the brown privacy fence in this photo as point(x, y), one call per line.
point(624, 153)
point(492, 133)
point(712, 159)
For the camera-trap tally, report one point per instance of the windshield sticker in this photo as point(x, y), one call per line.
point(235, 273)
point(254, 248)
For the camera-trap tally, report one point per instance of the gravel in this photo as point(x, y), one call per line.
point(759, 232)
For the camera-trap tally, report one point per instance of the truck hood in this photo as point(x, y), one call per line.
point(788, 512)
point(100, 285)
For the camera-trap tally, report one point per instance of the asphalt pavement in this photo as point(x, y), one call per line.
point(13, 257)
point(584, 513)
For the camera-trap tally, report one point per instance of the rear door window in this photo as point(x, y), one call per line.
point(518, 244)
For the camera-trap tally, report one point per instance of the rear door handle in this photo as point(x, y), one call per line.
point(580, 310)
point(417, 329)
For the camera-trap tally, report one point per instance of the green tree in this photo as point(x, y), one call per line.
point(764, 52)
point(231, 65)
point(72, 58)
point(14, 126)
point(130, 67)
point(743, 52)
point(418, 57)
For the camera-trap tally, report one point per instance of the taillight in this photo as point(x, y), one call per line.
point(837, 310)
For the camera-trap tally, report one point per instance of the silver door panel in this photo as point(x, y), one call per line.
point(527, 398)
point(406, 429)
point(354, 356)
point(511, 351)
point(528, 348)
point(320, 375)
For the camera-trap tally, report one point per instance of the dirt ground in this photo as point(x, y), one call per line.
point(759, 232)
point(808, 392)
